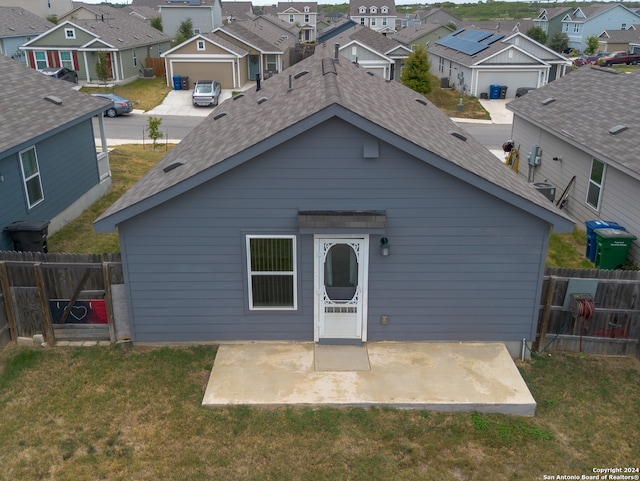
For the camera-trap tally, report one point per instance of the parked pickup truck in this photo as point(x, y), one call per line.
point(620, 57)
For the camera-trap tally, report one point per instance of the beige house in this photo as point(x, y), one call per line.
point(304, 15)
point(42, 8)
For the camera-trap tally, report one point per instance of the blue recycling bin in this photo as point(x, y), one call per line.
point(592, 241)
point(494, 92)
point(177, 82)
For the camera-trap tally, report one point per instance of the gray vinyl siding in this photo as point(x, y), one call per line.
point(463, 266)
point(620, 192)
point(68, 169)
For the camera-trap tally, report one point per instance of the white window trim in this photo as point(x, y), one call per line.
point(70, 33)
point(604, 172)
point(33, 176)
point(196, 31)
point(373, 21)
point(200, 45)
point(73, 66)
point(45, 60)
point(294, 273)
point(134, 57)
point(291, 18)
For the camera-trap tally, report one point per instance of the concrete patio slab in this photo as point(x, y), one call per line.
point(432, 376)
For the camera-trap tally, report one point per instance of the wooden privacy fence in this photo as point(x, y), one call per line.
point(63, 296)
point(613, 329)
point(157, 64)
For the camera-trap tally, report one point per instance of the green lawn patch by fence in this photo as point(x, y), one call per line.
point(124, 413)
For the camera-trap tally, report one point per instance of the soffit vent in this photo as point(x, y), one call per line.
point(548, 101)
point(616, 129)
point(458, 135)
point(173, 165)
point(53, 99)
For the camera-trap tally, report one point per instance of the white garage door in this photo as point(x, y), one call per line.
point(511, 79)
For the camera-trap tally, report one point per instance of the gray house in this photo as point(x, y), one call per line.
point(49, 169)
point(332, 205)
point(592, 153)
point(18, 26)
point(205, 15)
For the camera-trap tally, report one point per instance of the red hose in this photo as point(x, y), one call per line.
point(585, 309)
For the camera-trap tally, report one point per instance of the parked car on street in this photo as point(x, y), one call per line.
point(620, 57)
point(205, 93)
point(62, 73)
point(120, 104)
point(586, 60)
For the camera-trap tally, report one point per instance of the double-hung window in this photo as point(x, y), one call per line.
point(66, 60)
point(271, 267)
point(596, 179)
point(31, 176)
point(41, 60)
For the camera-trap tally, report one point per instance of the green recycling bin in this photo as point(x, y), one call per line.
point(612, 248)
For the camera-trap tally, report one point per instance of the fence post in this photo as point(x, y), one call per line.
point(44, 305)
point(546, 310)
point(8, 301)
point(106, 277)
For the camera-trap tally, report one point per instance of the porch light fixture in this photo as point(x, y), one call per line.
point(384, 247)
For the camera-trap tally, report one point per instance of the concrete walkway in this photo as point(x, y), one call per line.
point(432, 376)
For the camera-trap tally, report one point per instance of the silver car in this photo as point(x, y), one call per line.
point(120, 104)
point(61, 73)
point(205, 93)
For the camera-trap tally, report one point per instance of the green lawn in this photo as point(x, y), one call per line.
point(131, 413)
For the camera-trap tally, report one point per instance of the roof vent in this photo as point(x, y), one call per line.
point(548, 101)
point(236, 97)
point(53, 99)
point(300, 74)
point(421, 101)
point(616, 129)
point(261, 100)
point(219, 116)
point(458, 135)
point(370, 73)
point(173, 165)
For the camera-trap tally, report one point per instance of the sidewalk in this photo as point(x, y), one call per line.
point(497, 111)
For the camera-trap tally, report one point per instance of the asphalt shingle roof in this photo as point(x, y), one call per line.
point(372, 39)
point(123, 31)
point(25, 114)
point(16, 21)
point(354, 6)
point(583, 125)
point(242, 127)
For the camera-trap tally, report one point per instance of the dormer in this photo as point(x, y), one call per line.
point(307, 9)
point(384, 9)
point(362, 10)
point(374, 9)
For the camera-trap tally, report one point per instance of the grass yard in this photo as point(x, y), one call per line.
point(145, 94)
point(131, 413)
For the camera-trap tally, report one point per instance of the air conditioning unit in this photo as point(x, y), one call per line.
point(148, 73)
point(444, 83)
point(545, 188)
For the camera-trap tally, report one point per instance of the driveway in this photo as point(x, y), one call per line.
point(178, 102)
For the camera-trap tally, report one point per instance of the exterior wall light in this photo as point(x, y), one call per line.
point(384, 247)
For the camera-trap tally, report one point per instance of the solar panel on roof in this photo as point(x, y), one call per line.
point(475, 35)
point(494, 39)
point(453, 34)
point(462, 45)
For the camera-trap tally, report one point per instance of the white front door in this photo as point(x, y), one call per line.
point(341, 273)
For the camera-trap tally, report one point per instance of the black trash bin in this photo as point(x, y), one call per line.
point(29, 235)
point(184, 83)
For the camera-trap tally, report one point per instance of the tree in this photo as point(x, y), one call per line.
point(537, 34)
point(153, 127)
point(415, 73)
point(185, 31)
point(558, 42)
point(102, 66)
point(592, 44)
point(156, 22)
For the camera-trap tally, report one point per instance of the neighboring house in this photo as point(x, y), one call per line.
point(142, 13)
point(89, 11)
point(42, 8)
point(472, 60)
point(49, 168)
point(500, 26)
point(232, 11)
point(335, 29)
point(332, 206)
point(592, 20)
point(378, 15)
point(205, 15)
point(437, 16)
point(18, 26)
point(550, 19)
point(73, 44)
point(208, 56)
point(596, 147)
point(304, 15)
point(373, 51)
point(614, 40)
point(424, 35)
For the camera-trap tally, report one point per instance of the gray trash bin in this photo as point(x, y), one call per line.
point(29, 235)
